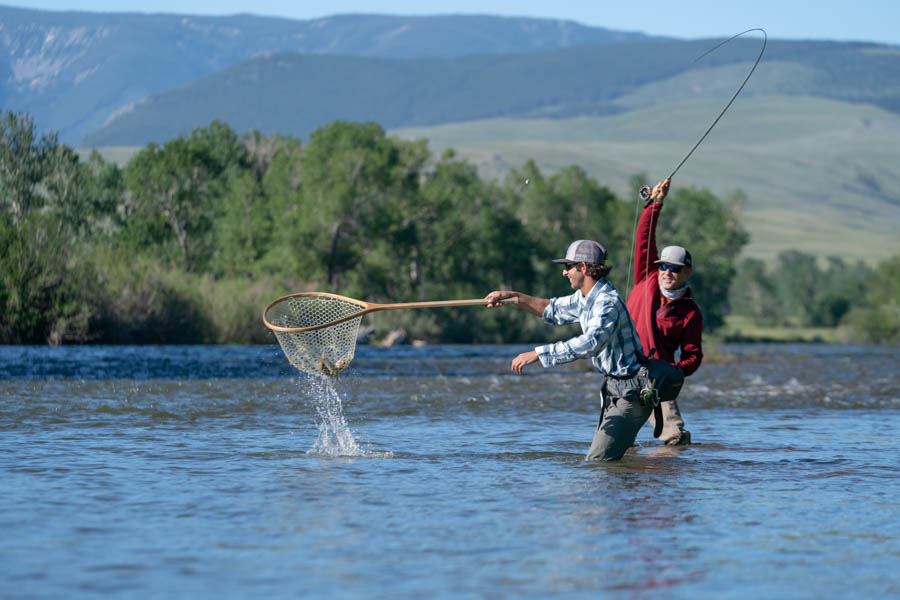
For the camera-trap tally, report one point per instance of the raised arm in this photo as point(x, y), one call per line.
point(646, 253)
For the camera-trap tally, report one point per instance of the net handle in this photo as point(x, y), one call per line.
point(369, 307)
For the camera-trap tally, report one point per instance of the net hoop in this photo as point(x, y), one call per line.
point(363, 307)
point(318, 330)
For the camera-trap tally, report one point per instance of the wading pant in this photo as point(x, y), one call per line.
point(673, 425)
point(623, 416)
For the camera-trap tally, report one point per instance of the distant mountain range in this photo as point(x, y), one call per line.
point(127, 79)
point(75, 71)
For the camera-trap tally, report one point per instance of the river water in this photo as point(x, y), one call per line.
point(218, 472)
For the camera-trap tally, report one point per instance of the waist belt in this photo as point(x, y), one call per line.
point(622, 377)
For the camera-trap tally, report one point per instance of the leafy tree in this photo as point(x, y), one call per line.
point(357, 187)
point(840, 286)
point(174, 190)
point(754, 292)
point(243, 228)
point(798, 291)
point(564, 207)
point(261, 150)
point(24, 162)
point(445, 245)
point(288, 254)
point(43, 288)
point(105, 189)
point(92, 251)
point(876, 317)
point(796, 286)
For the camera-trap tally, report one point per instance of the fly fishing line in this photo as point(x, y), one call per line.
point(645, 191)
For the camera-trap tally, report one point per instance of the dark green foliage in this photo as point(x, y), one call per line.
point(174, 194)
point(24, 162)
point(358, 187)
point(44, 297)
point(753, 293)
point(876, 317)
point(801, 291)
point(44, 289)
point(564, 207)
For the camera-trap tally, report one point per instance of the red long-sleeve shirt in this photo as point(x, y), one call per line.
point(662, 324)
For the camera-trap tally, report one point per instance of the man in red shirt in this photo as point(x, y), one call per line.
point(664, 312)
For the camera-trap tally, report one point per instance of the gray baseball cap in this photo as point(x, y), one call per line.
point(587, 251)
point(675, 255)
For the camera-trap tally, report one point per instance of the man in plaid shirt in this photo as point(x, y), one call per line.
point(608, 340)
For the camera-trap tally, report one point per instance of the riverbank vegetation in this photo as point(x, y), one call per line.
point(189, 240)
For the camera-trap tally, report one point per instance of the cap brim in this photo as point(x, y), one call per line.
point(671, 262)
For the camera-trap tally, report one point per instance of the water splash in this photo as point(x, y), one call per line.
point(335, 438)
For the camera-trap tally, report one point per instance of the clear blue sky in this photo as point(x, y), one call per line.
point(867, 20)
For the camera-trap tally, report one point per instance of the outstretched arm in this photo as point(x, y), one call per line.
point(645, 235)
point(531, 304)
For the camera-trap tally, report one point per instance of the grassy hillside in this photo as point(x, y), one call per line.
point(819, 175)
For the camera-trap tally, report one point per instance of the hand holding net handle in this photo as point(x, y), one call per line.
point(370, 307)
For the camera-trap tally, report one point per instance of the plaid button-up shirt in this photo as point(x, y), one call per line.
point(608, 337)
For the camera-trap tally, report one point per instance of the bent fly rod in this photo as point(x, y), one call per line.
point(645, 190)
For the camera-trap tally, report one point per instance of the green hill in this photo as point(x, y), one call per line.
point(293, 94)
point(74, 71)
point(819, 175)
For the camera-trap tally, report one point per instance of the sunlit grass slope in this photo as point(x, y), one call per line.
point(819, 175)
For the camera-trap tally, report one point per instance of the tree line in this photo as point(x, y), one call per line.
point(190, 239)
point(798, 290)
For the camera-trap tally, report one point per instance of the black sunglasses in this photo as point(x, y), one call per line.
point(673, 268)
point(570, 266)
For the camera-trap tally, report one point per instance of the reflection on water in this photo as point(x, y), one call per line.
point(218, 472)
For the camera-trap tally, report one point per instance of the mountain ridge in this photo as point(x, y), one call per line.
point(293, 94)
point(102, 63)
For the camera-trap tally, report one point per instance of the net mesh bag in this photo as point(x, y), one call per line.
point(326, 351)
